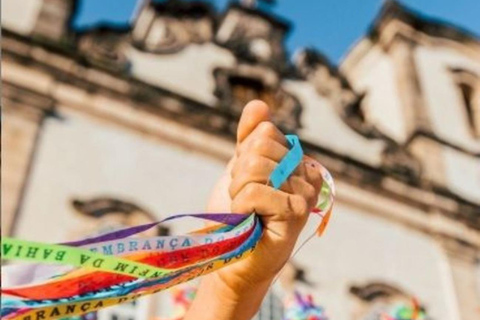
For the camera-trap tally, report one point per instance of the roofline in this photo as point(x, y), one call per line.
point(393, 10)
point(276, 20)
point(435, 27)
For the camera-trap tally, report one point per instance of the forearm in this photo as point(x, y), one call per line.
point(217, 300)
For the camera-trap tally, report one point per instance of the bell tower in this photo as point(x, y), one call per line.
point(253, 34)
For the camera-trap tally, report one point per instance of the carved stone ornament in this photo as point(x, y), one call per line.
point(169, 26)
point(235, 89)
point(103, 47)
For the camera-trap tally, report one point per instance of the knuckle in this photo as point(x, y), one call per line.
point(250, 191)
point(317, 179)
point(313, 174)
point(245, 199)
point(259, 145)
point(236, 205)
point(232, 190)
point(253, 163)
point(266, 128)
point(242, 148)
point(310, 192)
point(300, 170)
point(234, 171)
point(311, 195)
point(299, 206)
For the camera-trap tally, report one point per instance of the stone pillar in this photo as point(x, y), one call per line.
point(53, 18)
point(23, 114)
point(463, 260)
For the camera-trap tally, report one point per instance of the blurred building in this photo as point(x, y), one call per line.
point(118, 125)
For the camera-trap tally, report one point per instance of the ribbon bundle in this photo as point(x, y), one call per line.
point(79, 277)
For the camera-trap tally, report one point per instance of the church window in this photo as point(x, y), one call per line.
point(377, 300)
point(246, 89)
point(469, 88)
point(472, 108)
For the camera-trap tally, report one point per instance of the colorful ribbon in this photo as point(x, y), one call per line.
point(82, 281)
point(117, 267)
point(89, 303)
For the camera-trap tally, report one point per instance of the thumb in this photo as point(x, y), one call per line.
point(255, 112)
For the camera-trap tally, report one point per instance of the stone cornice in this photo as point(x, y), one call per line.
point(27, 102)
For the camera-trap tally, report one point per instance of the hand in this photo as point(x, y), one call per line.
point(236, 292)
point(284, 212)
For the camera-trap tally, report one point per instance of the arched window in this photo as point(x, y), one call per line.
point(107, 214)
point(468, 85)
point(236, 87)
point(102, 215)
point(378, 301)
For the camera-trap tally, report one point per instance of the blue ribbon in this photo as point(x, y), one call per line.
point(288, 164)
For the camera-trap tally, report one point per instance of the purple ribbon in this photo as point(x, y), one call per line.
point(232, 219)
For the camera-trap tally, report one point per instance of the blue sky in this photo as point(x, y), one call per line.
point(331, 26)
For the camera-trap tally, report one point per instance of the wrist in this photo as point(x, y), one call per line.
point(244, 296)
point(236, 286)
point(219, 298)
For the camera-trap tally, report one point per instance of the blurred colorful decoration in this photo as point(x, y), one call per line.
point(122, 266)
point(182, 298)
point(299, 307)
point(402, 311)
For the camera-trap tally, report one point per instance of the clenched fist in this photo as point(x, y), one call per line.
point(245, 188)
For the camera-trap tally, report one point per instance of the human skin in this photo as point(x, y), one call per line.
point(236, 291)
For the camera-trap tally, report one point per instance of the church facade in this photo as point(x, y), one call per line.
point(119, 125)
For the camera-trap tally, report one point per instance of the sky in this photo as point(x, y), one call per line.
point(331, 26)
